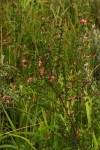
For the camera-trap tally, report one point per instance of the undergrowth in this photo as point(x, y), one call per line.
point(49, 75)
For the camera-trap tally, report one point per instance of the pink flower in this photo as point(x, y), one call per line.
point(41, 72)
point(24, 61)
point(65, 134)
point(7, 101)
point(42, 18)
point(58, 36)
point(52, 78)
point(12, 85)
point(5, 42)
point(83, 21)
point(29, 79)
point(4, 98)
point(24, 65)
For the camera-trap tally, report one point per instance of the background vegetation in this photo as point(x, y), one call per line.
point(49, 75)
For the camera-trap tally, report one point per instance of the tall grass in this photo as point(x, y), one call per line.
point(49, 92)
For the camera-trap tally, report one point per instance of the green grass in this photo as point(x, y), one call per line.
point(49, 75)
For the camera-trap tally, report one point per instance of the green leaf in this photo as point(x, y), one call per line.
point(25, 139)
point(88, 111)
point(11, 123)
point(95, 141)
point(8, 146)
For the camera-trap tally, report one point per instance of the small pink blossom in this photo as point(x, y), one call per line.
point(4, 98)
point(42, 18)
point(12, 85)
point(5, 42)
point(52, 78)
point(24, 65)
point(41, 72)
point(65, 134)
point(29, 79)
point(83, 21)
point(58, 36)
point(24, 61)
point(7, 101)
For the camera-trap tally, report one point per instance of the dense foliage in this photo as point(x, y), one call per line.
point(49, 75)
